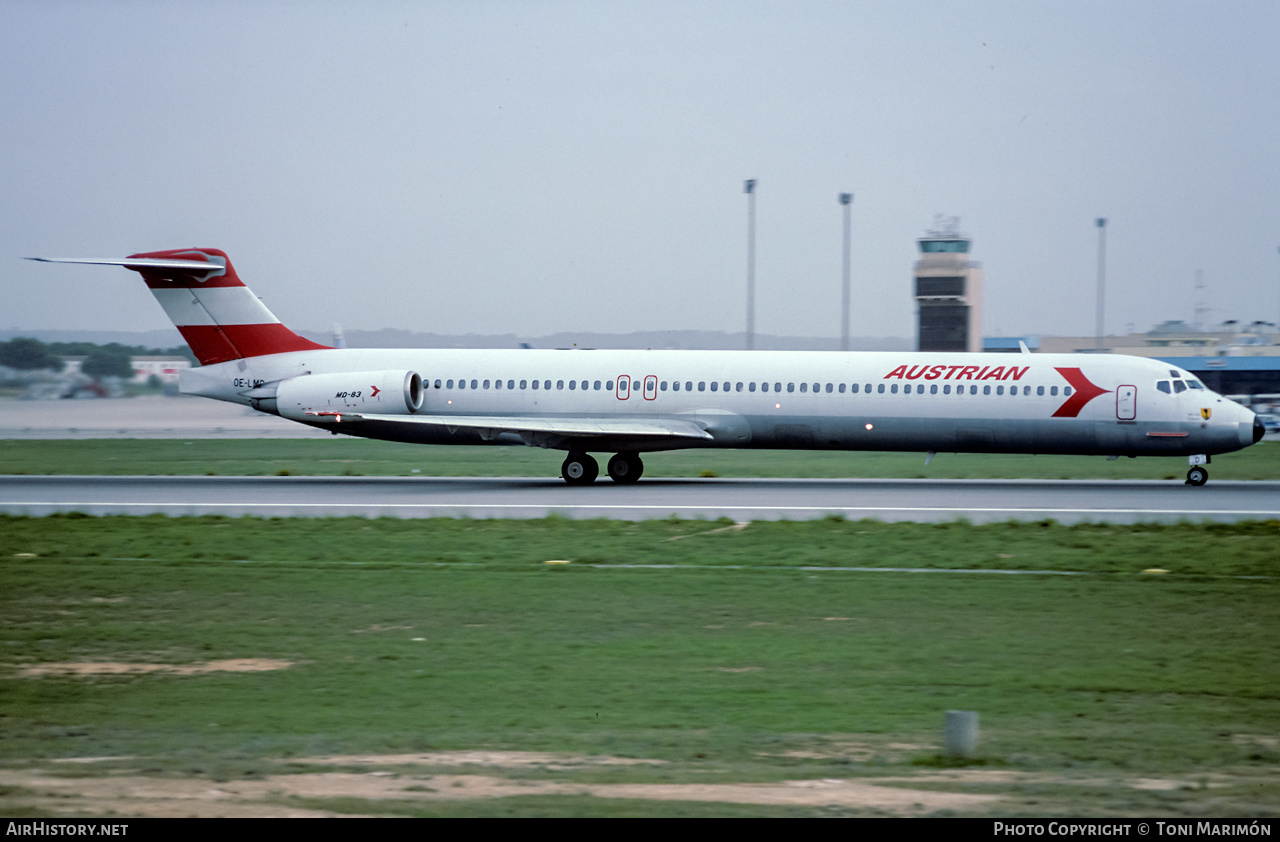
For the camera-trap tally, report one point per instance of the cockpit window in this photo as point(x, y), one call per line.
point(1163, 386)
point(1174, 373)
point(1195, 384)
point(1179, 387)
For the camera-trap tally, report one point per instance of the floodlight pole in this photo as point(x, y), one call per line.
point(1102, 278)
point(846, 199)
point(750, 188)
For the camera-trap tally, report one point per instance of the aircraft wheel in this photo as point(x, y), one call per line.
point(579, 469)
point(625, 467)
point(1197, 476)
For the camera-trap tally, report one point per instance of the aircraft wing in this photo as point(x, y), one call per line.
point(487, 425)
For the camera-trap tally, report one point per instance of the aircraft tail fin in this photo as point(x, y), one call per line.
point(219, 317)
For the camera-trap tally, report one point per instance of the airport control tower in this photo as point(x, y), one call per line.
point(948, 291)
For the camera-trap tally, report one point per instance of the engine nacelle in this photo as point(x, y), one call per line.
point(374, 392)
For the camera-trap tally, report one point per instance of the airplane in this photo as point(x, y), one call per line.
point(632, 402)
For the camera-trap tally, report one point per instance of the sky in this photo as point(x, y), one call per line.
point(537, 167)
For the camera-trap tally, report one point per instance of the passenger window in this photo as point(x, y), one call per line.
point(804, 387)
point(751, 387)
point(777, 387)
point(737, 387)
point(1039, 390)
point(448, 384)
point(572, 383)
point(764, 387)
point(933, 389)
point(702, 385)
point(535, 384)
point(842, 388)
point(973, 390)
point(675, 385)
point(559, 384)
point(1053, 390)
point(511, 384)
point(688, 385)
point(854, 388)
point(473, 384)
point(486, 384)
point(999, 390)
point(986, 390)
point(714, 385)
point(662, 385)
point(791, 387)
point(497, 384)
point(596, 386)
point(524, 384)
point(946, 390)
point(894, 388)
point(880, 388)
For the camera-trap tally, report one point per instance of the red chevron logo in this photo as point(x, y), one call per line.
point(1084, 391)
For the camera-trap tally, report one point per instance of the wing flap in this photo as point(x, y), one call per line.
point(563, 426)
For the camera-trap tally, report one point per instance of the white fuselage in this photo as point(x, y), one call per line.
point(1014, 403)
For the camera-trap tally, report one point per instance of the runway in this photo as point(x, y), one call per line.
point(915, 500)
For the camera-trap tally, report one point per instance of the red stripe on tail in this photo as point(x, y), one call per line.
point(220, 343)
point(223, 274)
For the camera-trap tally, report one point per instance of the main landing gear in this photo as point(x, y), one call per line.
point(581, 469)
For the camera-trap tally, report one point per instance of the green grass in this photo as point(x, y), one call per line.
point(358, 457)
point(740, 667)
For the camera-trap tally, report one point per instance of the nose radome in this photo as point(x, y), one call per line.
point(1258, 430)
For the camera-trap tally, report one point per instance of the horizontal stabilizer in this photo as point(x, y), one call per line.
point(138, 263)
point(561, 426)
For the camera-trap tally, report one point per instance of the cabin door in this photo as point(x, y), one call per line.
point(1127, 403)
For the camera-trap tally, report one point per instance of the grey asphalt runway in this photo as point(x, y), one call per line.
point(922, 501)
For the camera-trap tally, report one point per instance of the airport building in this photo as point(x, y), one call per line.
point(1233, 358)
point(948, 290)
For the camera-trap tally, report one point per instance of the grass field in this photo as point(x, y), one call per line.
point(427, 667)
point(358, 457)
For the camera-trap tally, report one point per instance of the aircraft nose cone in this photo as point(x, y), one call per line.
point(1258, 430)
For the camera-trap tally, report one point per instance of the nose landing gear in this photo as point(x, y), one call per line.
point(1199, 474)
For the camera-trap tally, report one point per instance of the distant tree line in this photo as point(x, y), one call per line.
point(114, 359)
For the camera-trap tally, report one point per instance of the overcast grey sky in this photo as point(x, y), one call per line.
point(532, 167)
